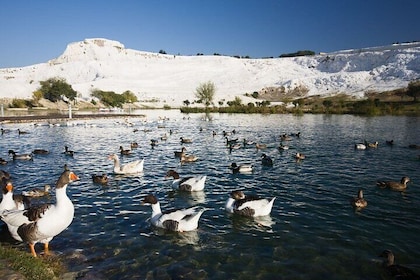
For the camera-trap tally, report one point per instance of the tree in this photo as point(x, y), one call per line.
point(129, 96)
point(414, 89)
point(54, 89)
point(205, 93)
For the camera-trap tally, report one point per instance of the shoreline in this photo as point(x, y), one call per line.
point(62, 118)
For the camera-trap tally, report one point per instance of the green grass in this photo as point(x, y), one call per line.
point(24, 263)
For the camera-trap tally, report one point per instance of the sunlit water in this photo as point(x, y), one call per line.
point(312, 232)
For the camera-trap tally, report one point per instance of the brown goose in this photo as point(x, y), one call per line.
point(358, 202)
point(397, 186)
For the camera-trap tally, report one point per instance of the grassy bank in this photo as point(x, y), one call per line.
point(374, 105)
point(22, 264)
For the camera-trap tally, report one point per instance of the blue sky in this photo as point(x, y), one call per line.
point(35, 31)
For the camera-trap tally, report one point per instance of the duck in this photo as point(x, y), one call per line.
point(3, 131)
point(179, 154)
point(390, 142)
point(266, 160)
point(129, 168)
point(68, 152)
point(189, 184)
point(260, 146)
point(230, 142)
point(250, 206)
point(178, 220)
point(40, 152)
point(234, 147)
point(398, 186)
point(100, 179)
point(299, 156)
point(359, 202)
point(9, 200)
point(22, 132)
point(285, 137)
point(41, 223)
point(360, 146)
point(247, 142)
point(153, 143)
point(372, 145)
point(134, 145)
point(3, 161)
point(188, 158)
point(37, 192)
point(243, 168)
point(283, 147)
point(4, 174)
point(20, 156)
point(414, 146)
point(185, 140)
point(395, 270)
point(124, 152)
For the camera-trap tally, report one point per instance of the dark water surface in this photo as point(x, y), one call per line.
point(312, 232)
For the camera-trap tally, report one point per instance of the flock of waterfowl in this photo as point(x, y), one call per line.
point(41, 223)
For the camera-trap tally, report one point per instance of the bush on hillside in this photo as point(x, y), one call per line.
point(413, 89)
point(54, 89)
point(113, 99)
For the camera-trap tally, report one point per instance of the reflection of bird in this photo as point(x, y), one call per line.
point(358, 202)
point(395, 270)
point(128, 168)
point(42, 223)
point(243, 168)
point(189, 184)
point(266, 160)
point(398, 186)
point(38, 192)
point(100, 179)
point(250, 206)
point(175, 220)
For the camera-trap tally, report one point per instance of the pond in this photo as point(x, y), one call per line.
point(311, 233)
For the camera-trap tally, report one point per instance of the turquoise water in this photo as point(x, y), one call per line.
point(312, 232)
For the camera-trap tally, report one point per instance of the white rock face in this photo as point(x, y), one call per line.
point(168, 79)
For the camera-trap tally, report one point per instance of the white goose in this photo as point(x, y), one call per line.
point(10, 201)
point(42, 223)
point(129, 168)
point(249, 206)
point(176, 220)
point(189, 184)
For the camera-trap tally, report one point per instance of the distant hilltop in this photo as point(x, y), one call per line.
point(170, 79)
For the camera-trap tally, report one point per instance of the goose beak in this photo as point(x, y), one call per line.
point(9, 187)
point(73, 177)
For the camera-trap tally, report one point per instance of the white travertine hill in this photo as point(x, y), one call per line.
point(170, 79)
